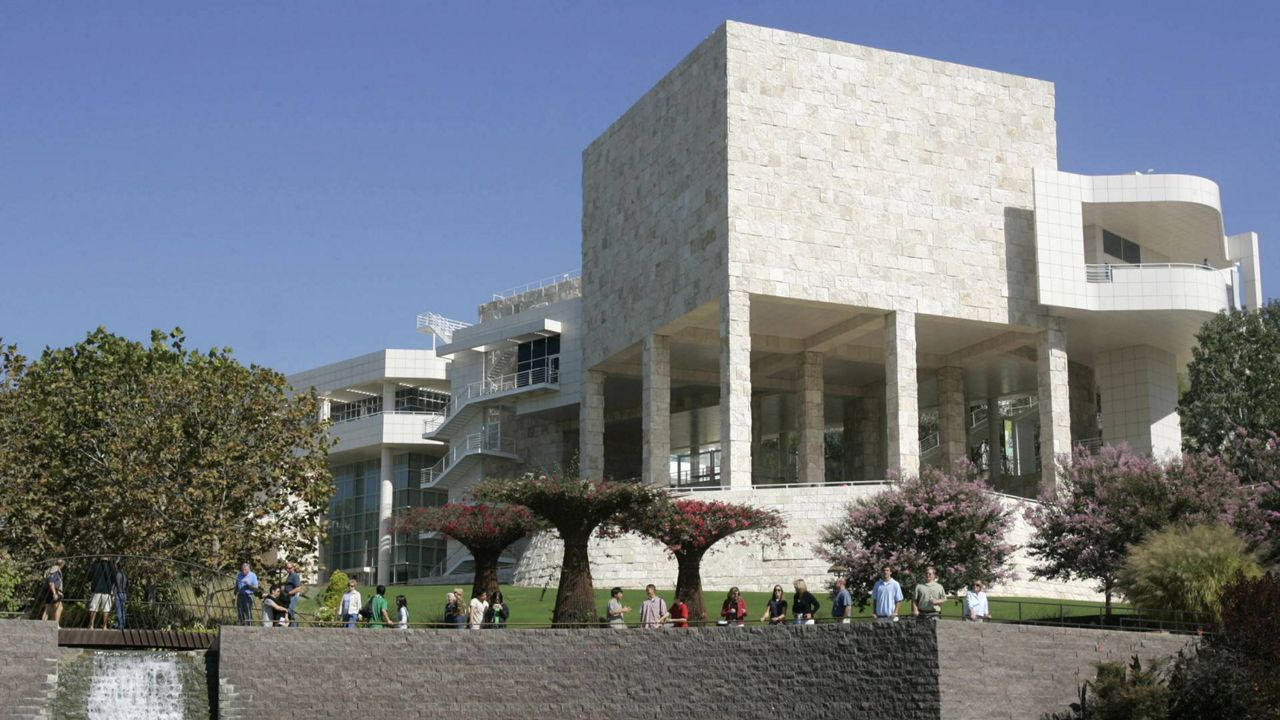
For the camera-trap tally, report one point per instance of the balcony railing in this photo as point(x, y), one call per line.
point(549, 375)
point(487, 440)
point(439, 325)
point(1106, 273)
point(537, 285)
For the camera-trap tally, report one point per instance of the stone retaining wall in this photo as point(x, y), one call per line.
point(850, 671)
point(634, 562)
point(29, 673)
point(1017, 672)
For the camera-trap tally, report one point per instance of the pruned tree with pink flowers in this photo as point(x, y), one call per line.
point(688, 529)
point(1108, 502)
point(950, 521)
point(574, 508)
point(485, 530)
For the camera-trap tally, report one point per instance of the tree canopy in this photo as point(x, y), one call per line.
point(689, 528)
point(485, 530)
point(1233, 379)
point(112, 445)
point(575, 508)
point(949, 521)
point(1107, 502)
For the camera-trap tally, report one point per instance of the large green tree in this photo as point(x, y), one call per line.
point(112, 445)
point(1233, 379)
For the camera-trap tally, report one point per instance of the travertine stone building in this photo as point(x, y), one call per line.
point(807, 265)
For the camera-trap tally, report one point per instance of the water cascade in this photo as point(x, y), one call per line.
point(129, 684)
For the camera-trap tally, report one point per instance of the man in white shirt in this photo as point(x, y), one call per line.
point(349, 610)
point(479, 604)
point(653, 611)
point(975, 604)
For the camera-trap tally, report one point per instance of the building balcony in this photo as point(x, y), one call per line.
point(381, 428)
point(1161, 286)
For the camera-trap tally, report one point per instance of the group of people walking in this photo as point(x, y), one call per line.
point(483, 611)
point(803, 607)
point(108, 590)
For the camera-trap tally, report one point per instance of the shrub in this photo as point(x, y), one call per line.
point(1251, 628)
point(332, 596)
point(1184, 570)
point(11, 584)
point(948, 521)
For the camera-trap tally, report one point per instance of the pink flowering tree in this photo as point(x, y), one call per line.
point(575, 508)
point(1255, 459)
point(950, 521)
point(689, 528)
point(484, 530)
point(1108, 502)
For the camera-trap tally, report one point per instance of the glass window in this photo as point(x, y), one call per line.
point(1121, 248)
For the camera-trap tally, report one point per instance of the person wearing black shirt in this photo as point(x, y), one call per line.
point(101, 575)
point(804, 604)
point(776, 613)
point(291, 592)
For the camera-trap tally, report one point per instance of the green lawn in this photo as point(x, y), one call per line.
point(532, 606)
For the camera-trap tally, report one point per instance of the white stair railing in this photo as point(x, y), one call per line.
point(439, 325)
point(487, 440)
point(501, 383)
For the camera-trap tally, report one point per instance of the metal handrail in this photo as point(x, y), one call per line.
point(488, 440)
point(385, 412)
point(537, 284)
point(1104, 272)
point(547, 375)
point(930, 442)
point(439, 325)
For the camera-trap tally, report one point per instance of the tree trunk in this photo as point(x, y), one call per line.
point(486, 573)
point(689, 586)
point(575, 598)
point(1106, 588)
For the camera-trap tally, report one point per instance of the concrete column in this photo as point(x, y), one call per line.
point(810, 413)
point(591, 426)
point(656, 408)
point(902, 405)
point(1139, 387)
point(1055, 400)
point(953, 428)
point(995, 437)
point(849, 435)
point(871, 450)
point(388, 397)
point(325, 409)
point(385, 495)
point(735, 388)
point(695, 444)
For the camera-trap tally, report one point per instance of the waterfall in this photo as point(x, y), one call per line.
point(130, 684)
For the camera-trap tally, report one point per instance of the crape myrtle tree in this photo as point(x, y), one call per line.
point(950, 521)
point(1255, 459)
point(485, 530)
point(1108, 502)
point(1233, 379)
point(689, 528)
point(113, 445)
point(575, 508)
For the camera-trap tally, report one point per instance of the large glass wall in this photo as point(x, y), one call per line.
point(353, 519)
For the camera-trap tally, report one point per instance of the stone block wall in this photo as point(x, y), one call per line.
point(634, 562)
point(1017, 672)
point(28, 675)
point(850, 671)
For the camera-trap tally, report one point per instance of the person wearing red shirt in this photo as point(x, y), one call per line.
point(734, 609)
point(679, 613)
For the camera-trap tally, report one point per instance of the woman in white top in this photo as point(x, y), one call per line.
point(402, 610)
point(349, 610)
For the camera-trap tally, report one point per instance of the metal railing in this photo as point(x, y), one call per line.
point(1105, 273)
point(537, 284)
point(930, 442)
point(549, 375)
point(340, 421)
point(487, 440)
point(439, 325)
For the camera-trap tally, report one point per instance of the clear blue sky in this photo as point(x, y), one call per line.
point(297, 181)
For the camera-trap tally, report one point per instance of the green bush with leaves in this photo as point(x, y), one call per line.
point(1184, 569)
point(11, 584)
point(1121, 692)
point(333, 593)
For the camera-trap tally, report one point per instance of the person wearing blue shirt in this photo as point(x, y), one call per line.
point(885, 595)
point(246, 588)
point(842, 605)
